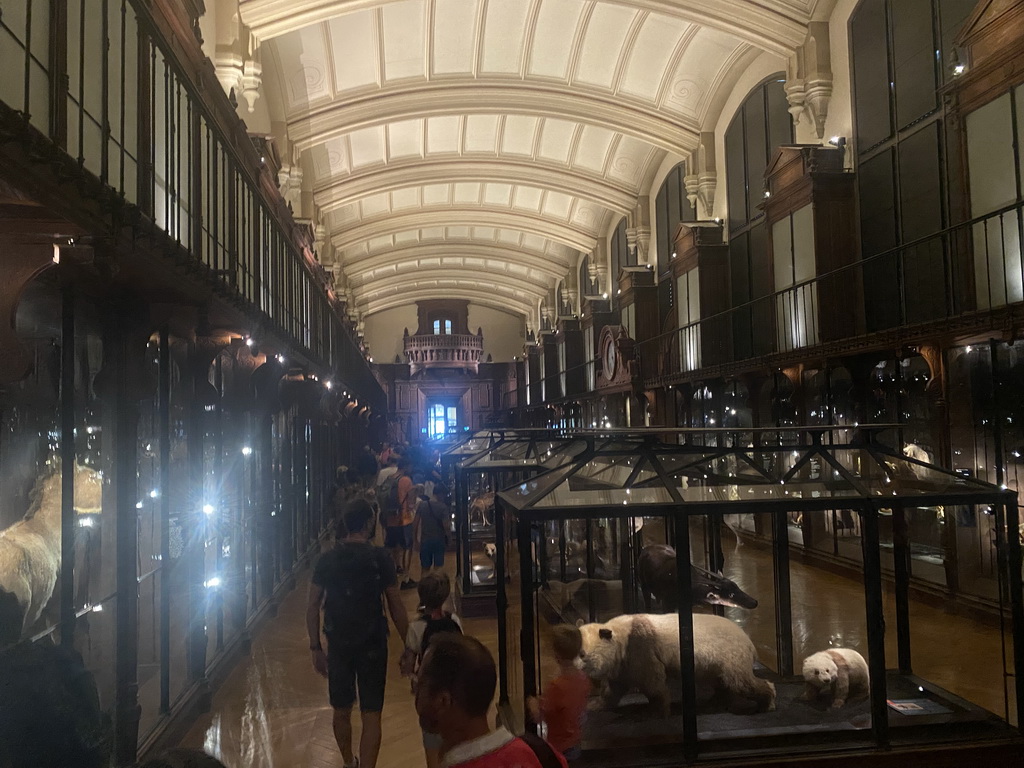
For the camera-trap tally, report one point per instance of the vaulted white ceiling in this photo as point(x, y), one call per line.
point(475, 148)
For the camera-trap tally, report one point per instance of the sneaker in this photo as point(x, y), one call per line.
point(408, 584)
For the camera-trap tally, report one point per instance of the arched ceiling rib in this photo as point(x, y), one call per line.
point(545, 206)
point(558, 232)
point(774, 25)
point(478, 147)
point(408, 102)
point(469, 255)
point(525, 310)
point(339, 191)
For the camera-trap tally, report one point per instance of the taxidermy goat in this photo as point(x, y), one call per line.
point(30, 550)
point(656, 572)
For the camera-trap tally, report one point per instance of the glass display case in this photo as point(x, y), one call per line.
point(510, 457)
point(737, 674)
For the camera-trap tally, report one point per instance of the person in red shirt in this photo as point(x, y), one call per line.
point(453, 696)
point(563, 706)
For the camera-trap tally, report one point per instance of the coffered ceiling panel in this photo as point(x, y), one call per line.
point(519, 128)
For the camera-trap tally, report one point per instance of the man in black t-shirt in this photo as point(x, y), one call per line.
point(349, 583)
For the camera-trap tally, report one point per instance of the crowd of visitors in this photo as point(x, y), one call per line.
point(49, 707)
point(453, 676)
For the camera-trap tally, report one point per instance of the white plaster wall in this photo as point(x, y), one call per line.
point(840, 111)
point(383, 331)
point(504, 333)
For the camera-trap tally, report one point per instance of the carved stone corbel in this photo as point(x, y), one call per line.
point(809, 78)
point(701, 179)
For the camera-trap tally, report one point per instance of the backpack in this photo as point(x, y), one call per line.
point(434, 626)
point(411, 658)
point(352, 609)
point(387, 496)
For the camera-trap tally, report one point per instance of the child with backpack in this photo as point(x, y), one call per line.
point(433, 590)
point(563, 706)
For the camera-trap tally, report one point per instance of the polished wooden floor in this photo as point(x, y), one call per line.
point(273, 710)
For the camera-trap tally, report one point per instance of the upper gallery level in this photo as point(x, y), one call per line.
point(113, 118)
point(442, 339)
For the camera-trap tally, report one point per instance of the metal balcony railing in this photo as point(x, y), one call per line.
point(111, 92)
point(968, 270)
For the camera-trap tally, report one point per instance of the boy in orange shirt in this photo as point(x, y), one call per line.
point(563, 706)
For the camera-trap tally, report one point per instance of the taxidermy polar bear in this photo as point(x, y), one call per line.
point(640, 651)
point(30, 550)
point(840, 672)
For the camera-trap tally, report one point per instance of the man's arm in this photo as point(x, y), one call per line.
point(313, 603)
point(397, 609)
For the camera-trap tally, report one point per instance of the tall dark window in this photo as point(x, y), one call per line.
point(761, 125)
point(621, 257)
point(586, 285)
point(900, 54)
point(671, 207)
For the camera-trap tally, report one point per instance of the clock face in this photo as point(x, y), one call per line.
point(609, 359)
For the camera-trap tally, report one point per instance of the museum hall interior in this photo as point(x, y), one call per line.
point(556, 383)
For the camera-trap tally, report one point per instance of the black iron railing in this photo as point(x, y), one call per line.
point(968, 269)
point(110, 85)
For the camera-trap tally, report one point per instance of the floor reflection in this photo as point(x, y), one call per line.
point(273, 711)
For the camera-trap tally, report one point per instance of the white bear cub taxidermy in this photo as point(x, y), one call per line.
point(840, 672)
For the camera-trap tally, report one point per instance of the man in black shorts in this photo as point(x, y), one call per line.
point(349, 582)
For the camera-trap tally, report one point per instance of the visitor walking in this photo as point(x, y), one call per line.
point(351, 583)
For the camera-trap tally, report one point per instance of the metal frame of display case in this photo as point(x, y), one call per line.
point(519, 452)
point(886, 480)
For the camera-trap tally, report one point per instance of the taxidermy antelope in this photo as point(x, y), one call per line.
point(482, 508)
point(30, 550)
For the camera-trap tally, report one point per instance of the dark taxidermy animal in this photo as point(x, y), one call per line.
point(656, 572)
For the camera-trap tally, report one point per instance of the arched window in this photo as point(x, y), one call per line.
point(671, 207)
point(442, 326)
point(762, 123)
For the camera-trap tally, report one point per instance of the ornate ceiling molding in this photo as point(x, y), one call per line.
point(525, 304)
point(532, 224)
point(442, 279)
point(358, 270)
point(772, 25)
point(339, 191)
point(418, 99)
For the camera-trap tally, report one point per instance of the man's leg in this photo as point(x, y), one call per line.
point(392, 543)
point(369, 741)
point(373, 674)
point(343, 733)
point(407, 534)
point(341, 684)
